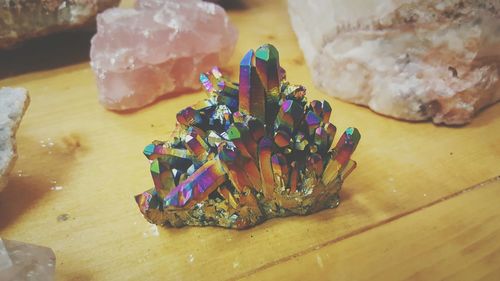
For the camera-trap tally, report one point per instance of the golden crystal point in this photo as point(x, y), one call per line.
point(266, 174)
point(251, 151)
point(315, 163)
point(253, 174)
point(226, 193)
point(347, 170)
point(293, 177)
point(280, 169)
point(331, 171)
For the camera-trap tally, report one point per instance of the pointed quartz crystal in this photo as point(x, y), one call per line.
point(265, 167)
point(23, 262)
point(268, 68)
point(280, 170)
point(252, 95)
point(343, 151)
point(267, 64)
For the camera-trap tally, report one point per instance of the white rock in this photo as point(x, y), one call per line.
point(26, 262)
point(13, 104)
point(409, 59)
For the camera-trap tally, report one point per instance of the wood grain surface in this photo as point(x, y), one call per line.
point(422, 204)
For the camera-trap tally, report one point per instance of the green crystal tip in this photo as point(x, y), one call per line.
point(149, 149)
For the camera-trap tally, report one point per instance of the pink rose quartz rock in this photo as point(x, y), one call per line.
point(159, 47)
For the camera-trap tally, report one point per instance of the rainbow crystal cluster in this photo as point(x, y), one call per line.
point(249, 152)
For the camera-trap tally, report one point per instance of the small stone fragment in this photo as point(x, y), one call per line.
point(409, 59)
point(21, 20)
point(157, 48)
point(62, 217)
point(25, 262)
point(13, 104)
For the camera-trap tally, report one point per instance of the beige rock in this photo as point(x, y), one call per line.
point(409, 59)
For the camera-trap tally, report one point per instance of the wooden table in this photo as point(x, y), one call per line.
point(422, 205)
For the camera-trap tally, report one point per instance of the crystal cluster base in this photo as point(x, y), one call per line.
point(251, 151)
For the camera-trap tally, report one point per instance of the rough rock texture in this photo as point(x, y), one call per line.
point(26, 262)
point(25, 19)
point(157, 48)
point(413, 59)
point(13, 103)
